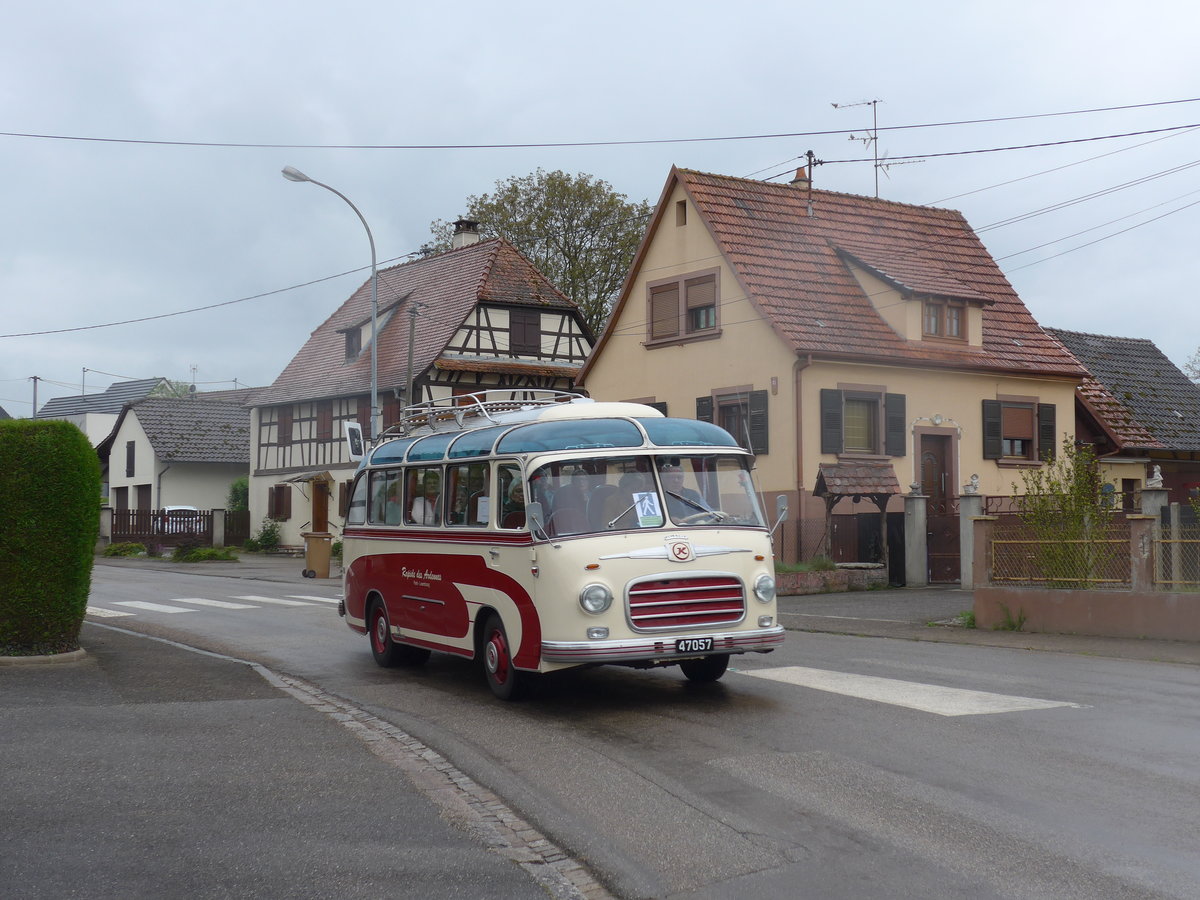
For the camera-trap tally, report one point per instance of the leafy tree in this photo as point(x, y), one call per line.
point(1192, 367)
point(238, 499)
point(1067, 509)
point(576, 229)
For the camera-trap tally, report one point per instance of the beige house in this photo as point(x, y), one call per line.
point(177, 452)
point(478, 317)
point(863, 349)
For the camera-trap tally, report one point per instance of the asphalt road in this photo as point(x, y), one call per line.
point(937, 763)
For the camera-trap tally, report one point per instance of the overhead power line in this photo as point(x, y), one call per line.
point(564, 144)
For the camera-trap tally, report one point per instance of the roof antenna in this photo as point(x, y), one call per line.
point(872, 138)
point(811, 160)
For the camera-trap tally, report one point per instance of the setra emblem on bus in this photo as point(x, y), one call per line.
point(680, 551)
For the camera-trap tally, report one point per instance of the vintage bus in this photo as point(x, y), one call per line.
point(553, 532)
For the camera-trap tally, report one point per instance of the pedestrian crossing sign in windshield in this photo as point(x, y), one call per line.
point(648, 511)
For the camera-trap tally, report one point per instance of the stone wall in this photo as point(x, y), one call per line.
point(847, 577)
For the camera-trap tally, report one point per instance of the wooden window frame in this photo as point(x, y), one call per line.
point(935, 312)
point(279, 502)
point(756, 414)
point(891, 424)
point(997, 433)
point(130, 458)
point(683, 309)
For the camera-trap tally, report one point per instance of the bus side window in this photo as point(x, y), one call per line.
point(510, 497)
point(356, 513)
point(394, 507)
point(379, 497)
point(466, 484)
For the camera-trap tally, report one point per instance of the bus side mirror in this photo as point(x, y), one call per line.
point(536, 519)
point(354, 440)
point(781, 511)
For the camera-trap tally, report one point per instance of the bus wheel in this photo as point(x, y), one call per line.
point(706, 669)
point(502, 678)
point(386, 651)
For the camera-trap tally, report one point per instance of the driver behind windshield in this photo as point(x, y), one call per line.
point(681, 501)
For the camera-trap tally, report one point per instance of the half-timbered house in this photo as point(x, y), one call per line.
point(478, 317)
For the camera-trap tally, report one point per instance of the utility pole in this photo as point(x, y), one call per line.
point(35, 380)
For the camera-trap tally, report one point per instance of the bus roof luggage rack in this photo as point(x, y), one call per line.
point(466, 411)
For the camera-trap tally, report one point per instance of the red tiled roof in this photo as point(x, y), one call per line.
point(448, 286)
point(855, 479)
point(793, 268)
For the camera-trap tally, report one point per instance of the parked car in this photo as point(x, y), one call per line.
point(179, 520)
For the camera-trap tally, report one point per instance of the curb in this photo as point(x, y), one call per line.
point(49, 660)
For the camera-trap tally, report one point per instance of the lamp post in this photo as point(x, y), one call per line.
point(296, 175)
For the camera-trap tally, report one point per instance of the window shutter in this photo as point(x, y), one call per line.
point(363, 414)
point(993, 432)
point(325, 420)
point(1047, 431)
point(660, 405)
point(391, 411)
point(704, 409)
point(831, 421)
point(664, 311)
point(701, 292)
point(343, 498)
point(758, 422)
point(895, 439)
point(283, 419)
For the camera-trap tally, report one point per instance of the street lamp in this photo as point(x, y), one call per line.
point(296, 175)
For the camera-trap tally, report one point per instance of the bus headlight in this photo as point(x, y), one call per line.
point(764, 588)
point(595, 598)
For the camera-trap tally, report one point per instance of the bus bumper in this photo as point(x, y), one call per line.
point(658, 649)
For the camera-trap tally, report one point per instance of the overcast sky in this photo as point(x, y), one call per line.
point(132, 223)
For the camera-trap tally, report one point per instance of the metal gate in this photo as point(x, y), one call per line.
point(942, 542)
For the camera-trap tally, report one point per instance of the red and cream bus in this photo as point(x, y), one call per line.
point(553, 532)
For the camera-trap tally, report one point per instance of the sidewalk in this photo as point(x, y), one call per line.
point(145, 769)
point(257, 566)
point(925, 614)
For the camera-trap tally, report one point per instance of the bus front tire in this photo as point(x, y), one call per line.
point(502, 677)
point(706, 669)
point(386, 651)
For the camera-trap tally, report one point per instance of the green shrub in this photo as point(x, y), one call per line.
point(48, 530)
point(251, 545)
point(186, 545)
point(205, 554)
point(336, 551)
point(127, 549)
point(268, 536)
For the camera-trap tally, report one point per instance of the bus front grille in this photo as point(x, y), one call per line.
point(666, 603)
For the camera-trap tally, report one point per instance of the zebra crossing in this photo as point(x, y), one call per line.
point(181, 605)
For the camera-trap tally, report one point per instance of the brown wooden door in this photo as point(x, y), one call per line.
point(941, 519)
point(320, 506)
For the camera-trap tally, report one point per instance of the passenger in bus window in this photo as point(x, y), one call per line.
point(425, 508)
point(395, 505)
point(514, 506)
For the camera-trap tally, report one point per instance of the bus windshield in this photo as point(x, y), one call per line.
point(591, 494)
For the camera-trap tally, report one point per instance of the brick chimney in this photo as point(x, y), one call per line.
point(466, 233)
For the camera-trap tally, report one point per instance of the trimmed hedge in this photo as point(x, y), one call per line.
point(49, 521)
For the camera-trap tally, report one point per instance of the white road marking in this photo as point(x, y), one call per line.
point(274, 600)
point(100, 613)
point(204, 601)
point(937, 699)
point(318, 599)
point(153, 607)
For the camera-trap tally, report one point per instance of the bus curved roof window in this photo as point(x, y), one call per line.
point(432, 447)
point(391, 452)
point(686, 433)
point(571, 434)
point(476, 443)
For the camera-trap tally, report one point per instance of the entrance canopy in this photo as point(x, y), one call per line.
point(866, 479)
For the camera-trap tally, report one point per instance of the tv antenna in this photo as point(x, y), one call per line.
point(870, 139)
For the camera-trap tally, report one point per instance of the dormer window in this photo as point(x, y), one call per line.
point(944, 319)
point(353, 343)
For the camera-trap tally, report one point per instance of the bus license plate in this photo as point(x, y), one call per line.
point(694, 645)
